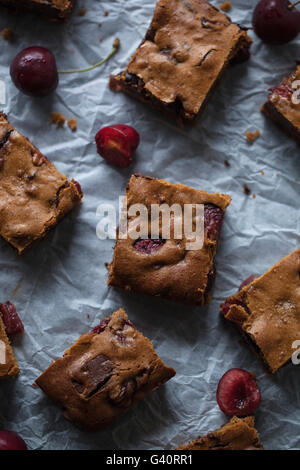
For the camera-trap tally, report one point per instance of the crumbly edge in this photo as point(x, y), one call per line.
point(271, 111)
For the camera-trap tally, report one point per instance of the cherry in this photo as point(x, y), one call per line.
point(238, 393)
point(12, 321)
point(34, 71)
point(148, 245)
point(213, 219)
point(247, 281)
point(11, 441)
point(276, 21)
point(117, 143)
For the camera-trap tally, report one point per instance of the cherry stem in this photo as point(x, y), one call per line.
point(116, 46)
point(294, 4)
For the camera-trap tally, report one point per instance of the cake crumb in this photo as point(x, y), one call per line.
point(101, 38)
point(246, 190)
point(7, 34)
point(254, 195)
point(252, 136)
point(262, 172)
point(58, 119)
point(106, 13)
point(227, 163)
point(72, 123)
point(99, 24)
point(226, 6)
point(82, 12)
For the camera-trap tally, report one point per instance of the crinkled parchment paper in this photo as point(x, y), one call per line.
point(60, 289)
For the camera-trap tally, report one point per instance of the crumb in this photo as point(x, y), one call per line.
point(7, 34)
point(101, 38)
point(58, 119)
point(262, 172)
point(246, 190)
point(99, 24)
point(116, 43)
point(82, 12)
point(254, 195)
point(88, 316)
point(227, 163)
point(72, 123)
point(106, 13)
point(252, 136)
point(226, 6)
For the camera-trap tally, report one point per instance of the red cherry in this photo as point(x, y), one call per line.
point(11, 441)
point(34, 71)
point(12, 321)
point(238, 393)
point(276, 21)
point(247, 281)
point(117, 143)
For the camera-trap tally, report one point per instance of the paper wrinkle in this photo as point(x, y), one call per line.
point(63, 291)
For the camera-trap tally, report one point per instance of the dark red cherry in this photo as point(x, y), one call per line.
point(276, 21)
point(238, 393)
point(34, 71)
point(11, 441)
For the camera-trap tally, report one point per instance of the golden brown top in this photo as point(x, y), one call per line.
point(187, 47)
point(33, 194)
point(238, 434)
point(271, 317)
point(8, 364)
point(172, 271)
point(104, 373)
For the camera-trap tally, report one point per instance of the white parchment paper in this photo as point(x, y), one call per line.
point(60, 289)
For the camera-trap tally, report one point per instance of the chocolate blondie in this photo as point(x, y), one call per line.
point(8, 363)
point(104, 373)
point(58, 10)
point(185, 52)
point(34, 196)
point(282, 108)
point(166, 267)
point(238, 434)
point(267, 312)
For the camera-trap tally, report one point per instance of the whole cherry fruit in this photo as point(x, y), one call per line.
point(11, 441)
point(238, 393)
point(117, 143)
point(34, 71)
point(276, 21)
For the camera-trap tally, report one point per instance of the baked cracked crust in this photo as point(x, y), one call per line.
point(170, 271)
point(34, 196)
point(184, 54)
point(104, 373)
point(280, 107)
point(59, 10)
point(238, 434)
point(8, 363)
point(267, 312)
